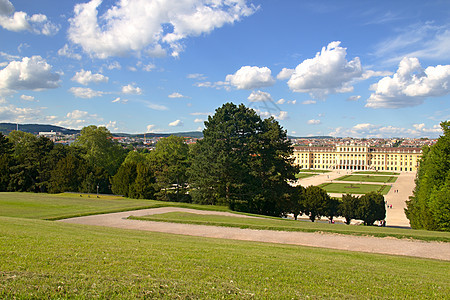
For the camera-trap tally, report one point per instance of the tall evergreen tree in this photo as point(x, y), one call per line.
point(429, 207)
point(243, 162)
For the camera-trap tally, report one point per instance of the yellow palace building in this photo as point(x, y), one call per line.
point(358, 157)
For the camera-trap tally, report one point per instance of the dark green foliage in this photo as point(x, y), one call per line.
point(371, 208)
point(429, 207)
point(317, 202)
point(123, 181)
point(100, 149)
point(170, 162)
point(348, 207)
point(242, 162)
point(296, 201)
point(6, 162)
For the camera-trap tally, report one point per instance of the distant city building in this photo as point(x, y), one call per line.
point(358, 157)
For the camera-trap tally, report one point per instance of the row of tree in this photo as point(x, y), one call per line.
point(429, 207)
point(243, 161)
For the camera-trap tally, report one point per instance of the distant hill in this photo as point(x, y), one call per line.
point(312, 137)
point(6, 128)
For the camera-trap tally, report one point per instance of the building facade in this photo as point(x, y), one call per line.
point(358, 157)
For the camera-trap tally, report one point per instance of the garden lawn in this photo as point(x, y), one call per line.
point(304, 175)
point(367, 178)
point(63, 206)
point(352, 188)
point(267, 223)
point(50, 260)
point(376, 173)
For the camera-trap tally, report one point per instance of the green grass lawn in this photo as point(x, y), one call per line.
point(304, 175)
point(377, 173)
point(314, 171)
point(344, 188)
point(62, 206)
point(51, 260)
point(368, 178)
point(292, 225)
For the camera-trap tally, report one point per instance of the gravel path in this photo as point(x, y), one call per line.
point(389, 246)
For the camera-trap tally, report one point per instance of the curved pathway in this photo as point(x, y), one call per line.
point(391, 246)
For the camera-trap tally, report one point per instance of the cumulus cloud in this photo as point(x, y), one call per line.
point(27, 98)
point(86, 93)
point(32, 73)
point(280, 115)
point(354, 98)
point(410, 85)
point(176, 123)
point(131, 89)
point(247, 78)
point(85, 77)
point(136, 25)
point(119, 100)
point(379, 131)
point(13, 114)
point(20, 21)
point(197, 120)
point(176, 95)
point(313, 122)
point(78, 118)
point(285, 74)
point(65, 51)
point(281, 101)
point(328, 72)
point(259, 96)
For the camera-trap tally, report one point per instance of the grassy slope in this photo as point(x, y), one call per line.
point(291, 225)
point(42, 259)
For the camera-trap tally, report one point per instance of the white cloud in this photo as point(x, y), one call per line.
point(292, 102)
point(259, 96)
point(247, 78)
point(20, 21)
point(285, 74)
point(77, 119)
point(307, 102)
point(13, 114)
point(29, 74)
point(281, 101)
point(421, 40)
point(111, 125)
point(328, 72)
point(27, 98)
point(201, 114)
point(86, 77)
point(148, 67)
point(354, 98)
point(313, 122)
point(157, 106)
point(410, 85)
point(131, 89)
point(176, 123)
point(114, 66)
point(176, 95)
point(65, 51)
point(197, 120)
point(282, 115)
point(86, 93)
point(196, 76)
point(367, 130)
point(150, 127)
point(119, 100)
point(135, 25)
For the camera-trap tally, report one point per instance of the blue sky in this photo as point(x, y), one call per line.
point(341, 68)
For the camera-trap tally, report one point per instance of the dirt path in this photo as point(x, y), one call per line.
point(389, 246)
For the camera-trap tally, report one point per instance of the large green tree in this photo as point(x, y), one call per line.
point(429, 207)
point(348, 207)
point(100, 148)
point(242, 161)
point(371, 208)
point(6, 162)
point(317, 202)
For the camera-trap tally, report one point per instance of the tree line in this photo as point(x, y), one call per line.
point(429, 207)
point(243, 162)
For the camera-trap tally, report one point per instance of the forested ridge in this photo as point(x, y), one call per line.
point(243, 162)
